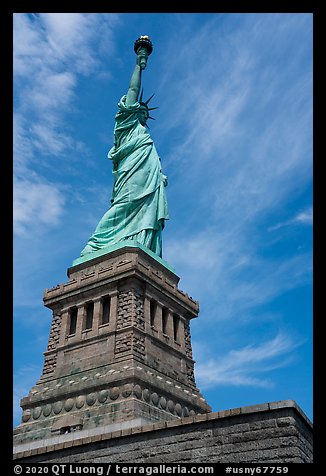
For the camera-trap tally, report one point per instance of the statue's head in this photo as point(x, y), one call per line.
point(143, 111)
point(143, 114)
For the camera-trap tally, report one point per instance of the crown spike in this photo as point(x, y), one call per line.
point(149, 117)
point(146, 102)
point(152, 108)
point(141, 95)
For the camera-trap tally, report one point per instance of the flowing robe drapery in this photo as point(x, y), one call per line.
point(139, 205)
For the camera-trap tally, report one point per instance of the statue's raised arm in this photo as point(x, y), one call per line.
point(139, 207)
point(143, 48)
point(134, 86)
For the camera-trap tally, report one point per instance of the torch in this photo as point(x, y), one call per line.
point(143, 48)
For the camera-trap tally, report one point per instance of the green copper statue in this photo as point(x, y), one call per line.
point(139, 205)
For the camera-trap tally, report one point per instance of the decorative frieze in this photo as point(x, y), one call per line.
point(106, 396)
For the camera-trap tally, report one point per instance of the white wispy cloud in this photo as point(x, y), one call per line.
point(40, 204)
point(245, 151)
point(302, 218)
point(61, 41)
point(51, 52)
point(238, 118)
point(229, 272)
point(244, 366)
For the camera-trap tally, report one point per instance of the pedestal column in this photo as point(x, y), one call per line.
point(65, 323)
point(80, 320)
point(97, 313)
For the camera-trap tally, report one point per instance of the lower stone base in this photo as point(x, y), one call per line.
point(107, 418)
point(277, 432)
point(102, 398)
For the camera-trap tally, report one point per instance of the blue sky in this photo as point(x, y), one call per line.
point(234, 132)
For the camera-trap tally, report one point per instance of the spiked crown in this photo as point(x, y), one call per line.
point(145, 104)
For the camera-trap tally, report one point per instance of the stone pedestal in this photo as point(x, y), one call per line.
point(119, 352)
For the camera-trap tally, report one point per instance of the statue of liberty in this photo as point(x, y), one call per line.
point(139, 206)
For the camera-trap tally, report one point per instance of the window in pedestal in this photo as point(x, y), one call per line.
point(176, 322)
point(89, 315)
point(153, 306)
point(106, 303)
point(73, 320)
point(165, 316)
